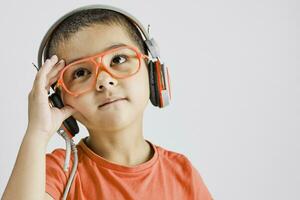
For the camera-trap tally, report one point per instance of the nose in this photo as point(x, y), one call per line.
point(105, 80)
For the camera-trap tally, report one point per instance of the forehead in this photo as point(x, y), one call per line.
point(92, 40)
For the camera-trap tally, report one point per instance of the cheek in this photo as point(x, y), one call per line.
point(145, 78)
point(80, 105)
point(72, 101)
point(66, 98)
point(139, 86)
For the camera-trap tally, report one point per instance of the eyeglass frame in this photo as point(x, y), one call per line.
point(99, 65)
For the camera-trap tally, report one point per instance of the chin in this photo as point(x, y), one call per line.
point(115, 119)
point(114, 124)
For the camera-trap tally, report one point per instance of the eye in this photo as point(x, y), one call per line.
point(80, 72)
point(118, 59)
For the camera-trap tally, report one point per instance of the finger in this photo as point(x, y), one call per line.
point(47, 66)
point(52, 80)
point(54, 70)
point(67, 111)
point(41, 78)
point(55, 74)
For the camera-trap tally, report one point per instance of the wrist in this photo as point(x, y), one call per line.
point(37, 136)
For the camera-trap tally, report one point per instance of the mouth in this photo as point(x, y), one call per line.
point(111, 102)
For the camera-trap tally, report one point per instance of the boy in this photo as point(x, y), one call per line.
point(114, 161)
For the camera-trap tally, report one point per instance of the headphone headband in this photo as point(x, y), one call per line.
point(150, 43)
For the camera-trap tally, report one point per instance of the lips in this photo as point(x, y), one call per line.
point(111, 100)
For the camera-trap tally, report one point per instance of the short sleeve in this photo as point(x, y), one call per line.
point(200, 189)
point(56, 178)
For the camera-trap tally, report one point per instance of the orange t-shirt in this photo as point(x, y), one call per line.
point(167, 175)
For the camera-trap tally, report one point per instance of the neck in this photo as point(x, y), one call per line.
point(125, 146)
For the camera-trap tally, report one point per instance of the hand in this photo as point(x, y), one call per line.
point(42, 118)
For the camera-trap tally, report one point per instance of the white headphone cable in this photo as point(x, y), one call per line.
point(69, 146)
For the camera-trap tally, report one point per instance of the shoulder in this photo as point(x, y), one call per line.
point(56, 178)
point(179, 160)
point(56, 159)
point(56, 155)
point(54, 164)
point(182, 167)
point(174, 158)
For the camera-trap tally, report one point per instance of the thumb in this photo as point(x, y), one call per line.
point(67, 111)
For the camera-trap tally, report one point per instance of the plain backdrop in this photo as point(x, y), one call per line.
point(235, 80)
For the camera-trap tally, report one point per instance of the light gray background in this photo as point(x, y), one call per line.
point(235, 81)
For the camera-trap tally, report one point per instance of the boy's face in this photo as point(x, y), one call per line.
point(135, 89)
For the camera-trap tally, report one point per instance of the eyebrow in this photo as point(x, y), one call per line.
point(106, 49)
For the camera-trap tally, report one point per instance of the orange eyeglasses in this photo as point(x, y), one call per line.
point(80, 76)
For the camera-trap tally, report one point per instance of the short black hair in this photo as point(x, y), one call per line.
point(86, 18)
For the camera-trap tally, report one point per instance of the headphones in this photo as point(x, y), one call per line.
point(159, 81)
